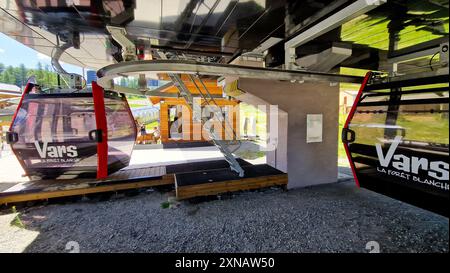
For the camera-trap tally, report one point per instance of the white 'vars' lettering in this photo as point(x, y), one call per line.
point(55, 151)
point(436, 169)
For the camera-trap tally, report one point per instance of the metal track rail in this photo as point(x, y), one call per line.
point(108, 73)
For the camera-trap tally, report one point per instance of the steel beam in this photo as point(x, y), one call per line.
point(432, 44)
point(266, 45)
point(325, 60)
point(414, 55)
point(422, 75)
point(315, 17)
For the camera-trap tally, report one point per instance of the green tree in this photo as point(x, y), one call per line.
point(48, 75)
point(7, 77)
point(16, 73)
point(19, 75)
point(40, 75)
point(22, 75)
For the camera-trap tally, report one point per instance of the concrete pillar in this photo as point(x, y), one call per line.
point(306, 163)
point(277, 157)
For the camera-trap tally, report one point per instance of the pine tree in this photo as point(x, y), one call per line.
point(7, 77)
point(22, 75)
point(19, 75)
point(40, 77)
point(48, 74)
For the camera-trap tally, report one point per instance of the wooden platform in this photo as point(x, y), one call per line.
point(212, 182)
point(121, 180)
point(190, 180)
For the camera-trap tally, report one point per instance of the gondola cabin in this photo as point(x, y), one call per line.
point(397, 141)
point(89, 132)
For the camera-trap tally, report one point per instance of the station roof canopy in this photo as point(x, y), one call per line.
point(9, 90)
point(219, 30)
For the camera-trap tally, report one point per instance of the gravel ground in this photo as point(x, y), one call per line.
point(328, 218)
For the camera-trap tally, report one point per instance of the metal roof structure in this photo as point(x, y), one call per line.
point(377, 32)
point(10, 88)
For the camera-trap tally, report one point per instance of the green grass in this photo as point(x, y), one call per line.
point(152, 125)
point(149, 126)
point(341, 150)
point(250, 154)
point(16, 221)
point(165, 205)
point(418, 127)
point(6, 119)
point(132, 105)
point(351, 72)
point(373, 30)
point(136, 101)
point(427, 128)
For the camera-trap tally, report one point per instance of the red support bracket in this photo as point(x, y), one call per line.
point(27, 90)
point(100, 120)
point(349, 118)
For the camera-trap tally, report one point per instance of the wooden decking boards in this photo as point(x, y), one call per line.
point(121, 180)
point(190, 180)
point(212, 182)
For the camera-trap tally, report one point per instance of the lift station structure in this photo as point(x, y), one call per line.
point(294, 55)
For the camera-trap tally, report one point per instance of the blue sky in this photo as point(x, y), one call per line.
point(14, 53)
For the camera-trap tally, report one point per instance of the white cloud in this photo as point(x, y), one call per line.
point(2, 50)
point(41, 56)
